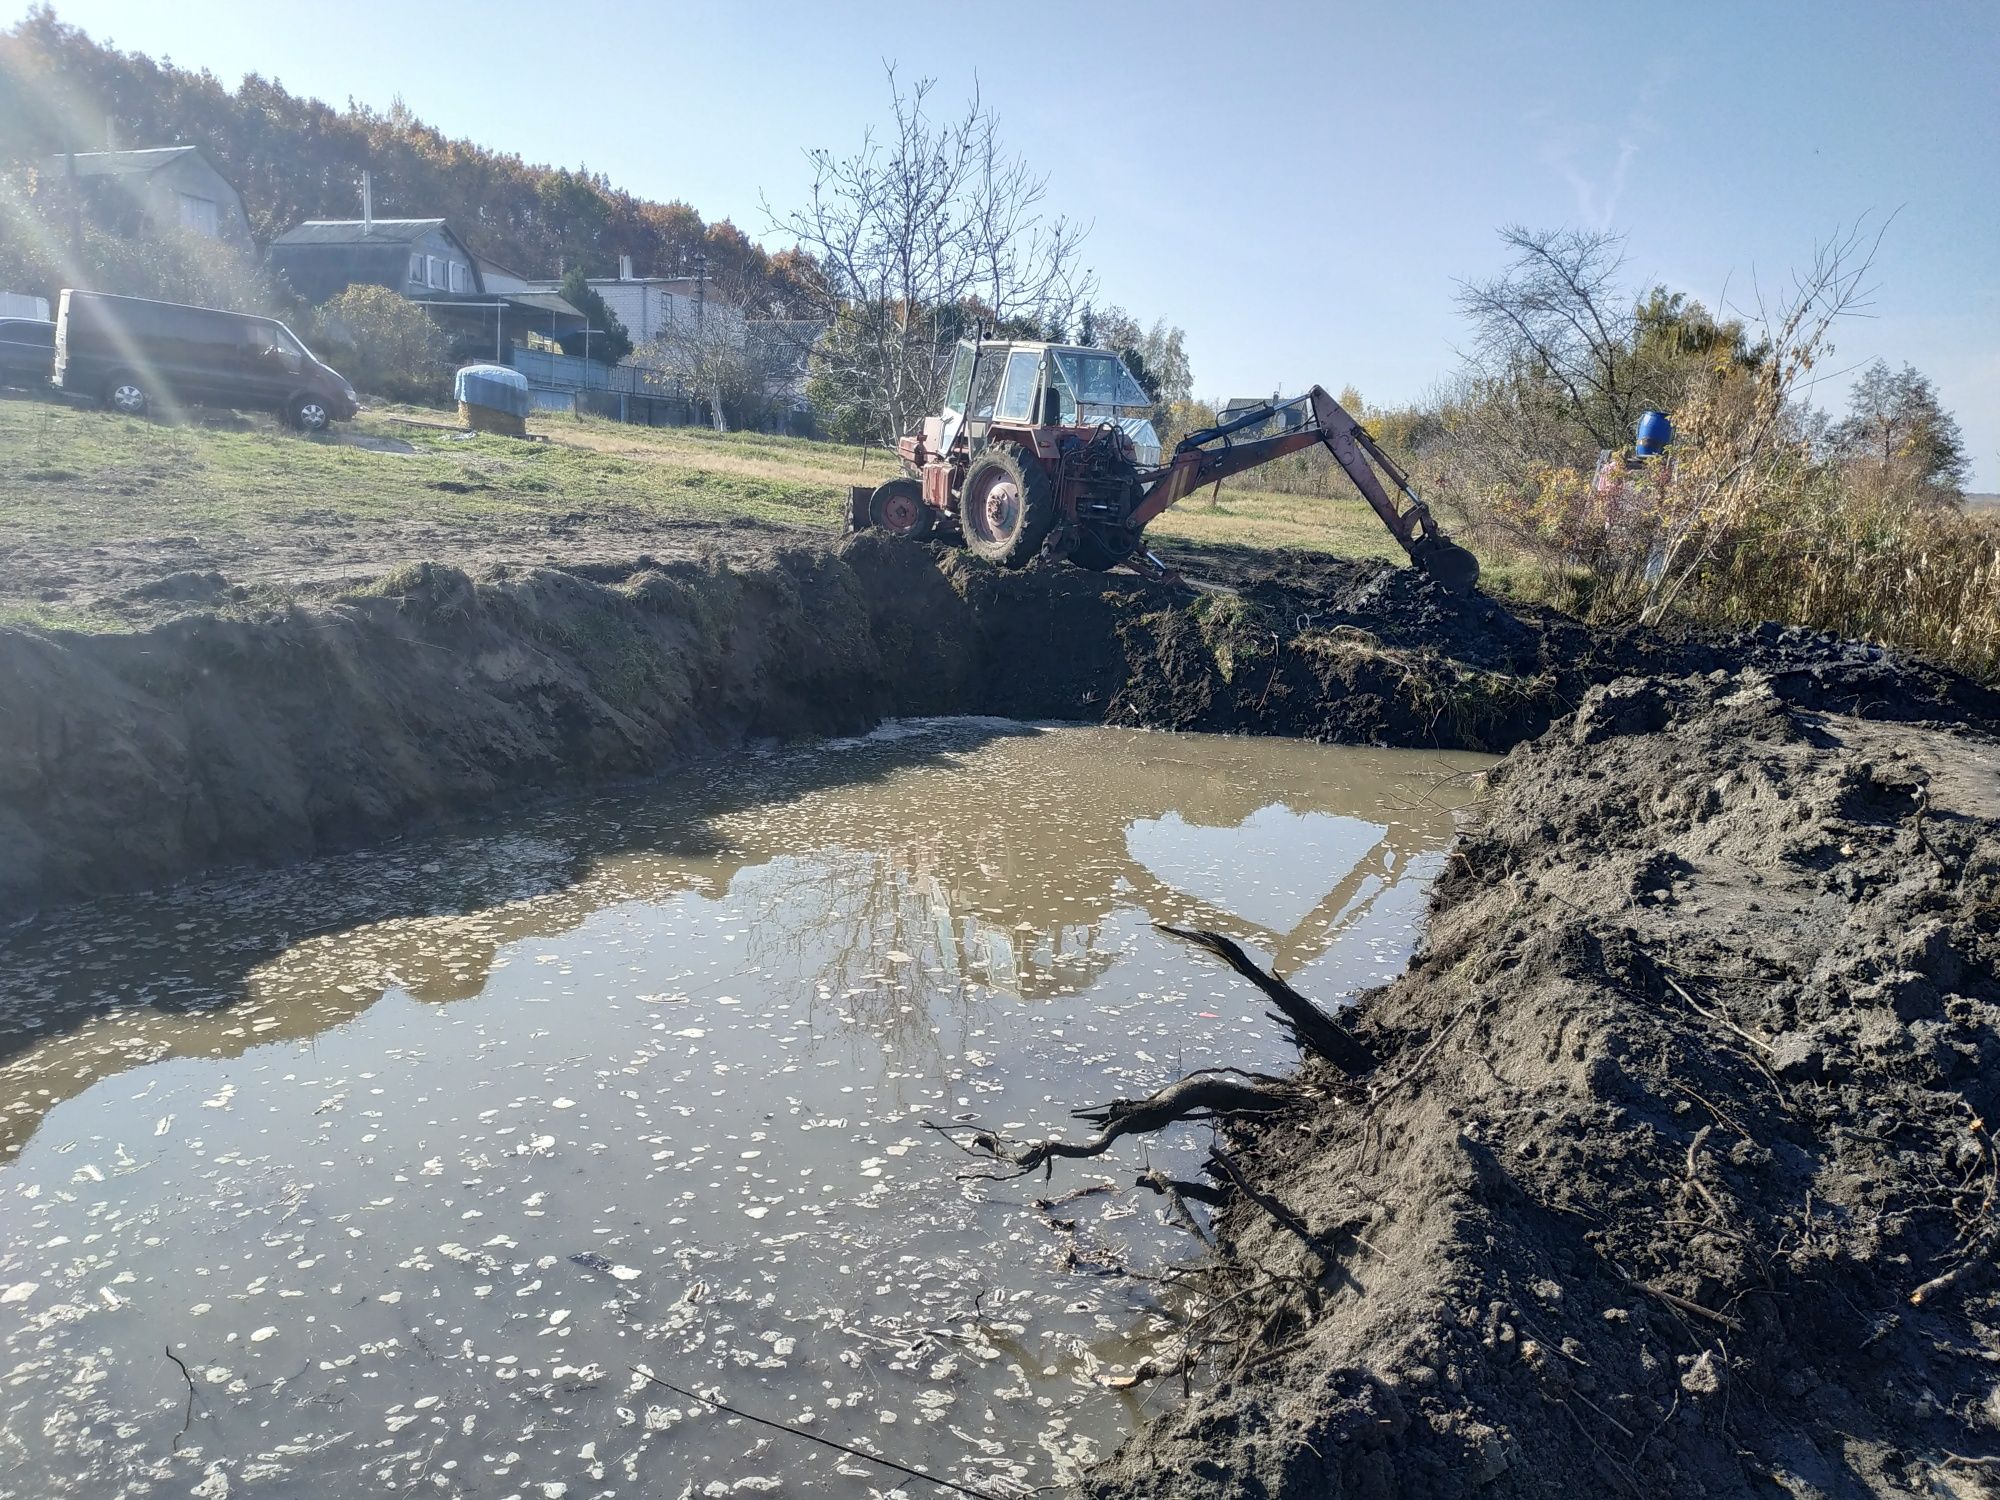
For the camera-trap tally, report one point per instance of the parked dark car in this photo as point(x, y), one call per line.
point(129, 353)
point(27, 351)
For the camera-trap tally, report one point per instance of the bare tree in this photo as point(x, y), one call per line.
point(915, 236)
point(719, 362)
point(1730, 427)
point(1559, 318)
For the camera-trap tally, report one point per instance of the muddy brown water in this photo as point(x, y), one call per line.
point(411, 1159)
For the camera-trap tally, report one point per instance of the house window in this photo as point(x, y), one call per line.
point(416, 270)
point(461, 277)
point(436, 276)
point(198, 215)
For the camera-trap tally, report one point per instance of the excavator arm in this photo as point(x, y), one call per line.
point(1209, 456)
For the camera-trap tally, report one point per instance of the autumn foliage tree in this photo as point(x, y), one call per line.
point(387, 345)
point(296, 158)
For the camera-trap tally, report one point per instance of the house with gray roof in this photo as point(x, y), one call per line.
point(157, 188)
point(415, 258)
point(480, 304)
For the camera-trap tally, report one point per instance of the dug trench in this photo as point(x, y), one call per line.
point(1666, 1167)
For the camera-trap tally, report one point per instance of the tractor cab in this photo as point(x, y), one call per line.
point(996, 387)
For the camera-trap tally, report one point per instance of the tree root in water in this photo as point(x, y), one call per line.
point(1310, 1028)
point(1208, 1095)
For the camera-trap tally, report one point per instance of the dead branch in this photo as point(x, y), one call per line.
point(1723, 1021)
point(1682, 1304)
point(187, 1421)
point(1409, 1070)
point(813, 1437)
point(1226, 1168)
point(1088, 1190)
point(1693, 1174)
point(1158, 1181)
point(1311, 1029)
point(1199, 1096)
point(1194, 1192)
point(1142, 1372)
point(1985, 1245)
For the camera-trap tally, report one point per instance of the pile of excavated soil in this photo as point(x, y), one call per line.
point(318, 553)
point(1677, 1177)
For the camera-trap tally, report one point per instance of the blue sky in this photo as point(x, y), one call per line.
point(1299, 187)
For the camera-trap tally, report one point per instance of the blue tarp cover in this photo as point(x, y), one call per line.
point(493, 386)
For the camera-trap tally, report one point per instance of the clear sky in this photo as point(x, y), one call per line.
point(1298, 186)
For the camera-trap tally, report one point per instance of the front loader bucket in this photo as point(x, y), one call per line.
point(858, 496)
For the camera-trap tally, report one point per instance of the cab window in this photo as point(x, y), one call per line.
point(1023, 373)
point(961, 379)
point(985, 387)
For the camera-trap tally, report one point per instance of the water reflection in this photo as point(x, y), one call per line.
point(412, 1156)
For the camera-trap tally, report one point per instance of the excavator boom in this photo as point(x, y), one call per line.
point(1209, 456)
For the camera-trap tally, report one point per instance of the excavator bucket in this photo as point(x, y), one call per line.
point(1454, 568)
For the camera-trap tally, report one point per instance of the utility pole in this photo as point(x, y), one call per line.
point(700, 287)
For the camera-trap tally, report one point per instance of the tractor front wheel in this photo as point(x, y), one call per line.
point(1007, 505)
point(898, 508)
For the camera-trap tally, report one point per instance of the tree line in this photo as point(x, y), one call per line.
point(296, 158)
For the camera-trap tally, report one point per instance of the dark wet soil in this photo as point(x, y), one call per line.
point(232, 732)
point(1677, 1177)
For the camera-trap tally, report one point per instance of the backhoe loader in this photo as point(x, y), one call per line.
point(1048, 450)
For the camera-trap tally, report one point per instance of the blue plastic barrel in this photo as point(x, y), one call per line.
point(1655, 432)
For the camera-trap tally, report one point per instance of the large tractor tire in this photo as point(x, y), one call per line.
point(1007, 506)
point(898, 508)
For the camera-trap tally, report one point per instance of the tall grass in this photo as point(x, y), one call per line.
point(1856, 549)
point(1869, 557)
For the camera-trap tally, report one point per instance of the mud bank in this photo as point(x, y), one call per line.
point(215, 738)
point(1677, 1177)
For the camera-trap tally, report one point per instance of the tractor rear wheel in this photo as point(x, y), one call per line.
point(898, 508)
point(1007, 505)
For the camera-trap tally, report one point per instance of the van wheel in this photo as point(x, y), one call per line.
point(309, 414)
point(123, 393)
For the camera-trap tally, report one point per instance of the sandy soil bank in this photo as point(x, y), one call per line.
point(1677, 1176)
